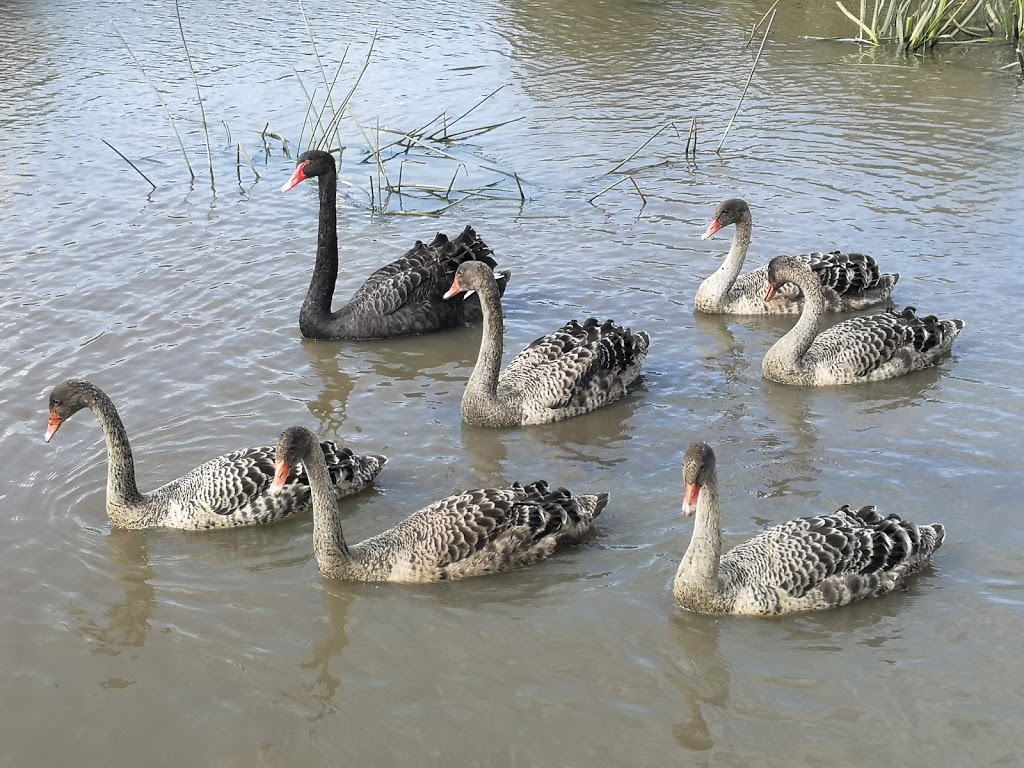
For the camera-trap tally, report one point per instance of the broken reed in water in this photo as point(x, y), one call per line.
point(918, 24)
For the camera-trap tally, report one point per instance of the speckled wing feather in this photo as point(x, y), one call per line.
point(421, 275)
point(860, 549)
point(237, 483)
point(489, 529)
point(863, 345)
point(563, 367)
point(841, 274)
point(845, 273)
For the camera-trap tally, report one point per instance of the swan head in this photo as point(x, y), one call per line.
point(293, 448)
point(731, 211)
point(781, 270)
point(67, 399)
point(698, 471)
point(315, 162)
point(470, 277)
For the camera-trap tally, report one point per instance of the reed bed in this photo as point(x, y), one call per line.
point(422, 171)
point(433, 150)
point(916, 25)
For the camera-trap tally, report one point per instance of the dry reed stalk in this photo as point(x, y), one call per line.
point(691, 137)
point(309, 107)
point(637, 150)
point(452, 183)
point(249, 161)
point(753, 30)
point(327, 98)
point(316, 53)
point(747, 84)
point(336, 119)
point(448, 125)
point(129, 162)
point(471, 132)
point(163, 104)
point(199, 95)
point(612, 186)
point(274, 134)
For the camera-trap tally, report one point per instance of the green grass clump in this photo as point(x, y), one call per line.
point(915, 25)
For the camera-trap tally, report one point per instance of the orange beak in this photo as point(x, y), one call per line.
point(713, 227)
point(281, 471)
point(769, 291)
point(297, 177)
point(53, 425)
point(455, 289)
point(690, 494)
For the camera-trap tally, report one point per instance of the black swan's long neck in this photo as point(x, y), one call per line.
point(122, 490)
point(699, 567)
point(483, 382)
point(316, 309)
point(332, 553)
point(792, 347)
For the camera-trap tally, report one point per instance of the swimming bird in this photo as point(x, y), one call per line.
point(569, 372)
point(403, 298)
point(860, 349)
point(469, 534)
point(805, 564)
point(849, 281)
point(231, 490)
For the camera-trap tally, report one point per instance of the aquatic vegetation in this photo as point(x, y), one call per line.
point(915, 25)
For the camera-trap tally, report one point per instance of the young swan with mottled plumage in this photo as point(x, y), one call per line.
point(569, 372)
point(849, 281)
point(801, 565)
point(469, 534)
point(861, 349)
point(231, 490)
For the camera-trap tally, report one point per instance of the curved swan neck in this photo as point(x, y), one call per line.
point(719, 284)
point(483, 382)
point(317, 305)
point(699, 567)
point(791, 348)
point(332, 553)
point(122, 489)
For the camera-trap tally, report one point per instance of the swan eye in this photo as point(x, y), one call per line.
point(56, 401)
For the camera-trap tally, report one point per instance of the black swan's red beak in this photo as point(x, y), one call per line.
point(281, 471)
point(713, 227)
point(53, 425)
point(297, 177)
point(455, 289)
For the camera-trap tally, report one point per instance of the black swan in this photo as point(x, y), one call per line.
point(403, 298)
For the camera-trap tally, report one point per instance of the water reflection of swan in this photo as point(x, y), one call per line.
point(126, 623)
point(723, 351)
point(319, 695)
point(330, 403)
point(408, 367)
point(701, 676)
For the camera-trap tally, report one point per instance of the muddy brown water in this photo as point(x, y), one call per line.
point(227, 649)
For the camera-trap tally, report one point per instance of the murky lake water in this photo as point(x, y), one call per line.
point(123, 648)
